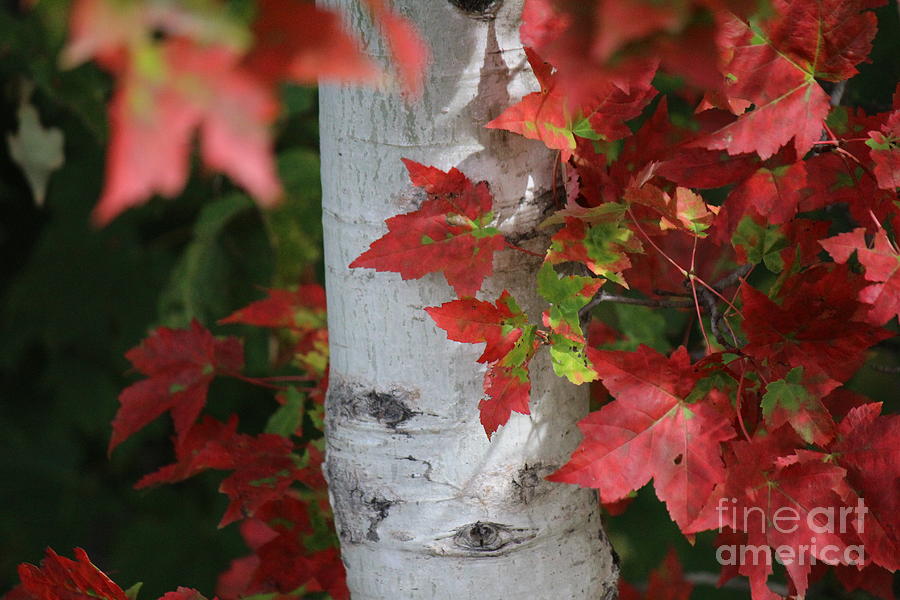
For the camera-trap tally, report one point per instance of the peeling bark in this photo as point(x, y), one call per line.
point(426, 507)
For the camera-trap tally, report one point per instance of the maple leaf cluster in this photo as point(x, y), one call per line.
point(274, 485)
point(752, 415)
point(194, 69)
point(766, 213)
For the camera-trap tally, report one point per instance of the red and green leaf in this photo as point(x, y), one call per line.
point(510, 343)
point(650, 431)
point(469, 320)
point(567, 296)
point(602, 247)
point(790, 400)
point(549, 116)
point(451, 233)
point(775, 64)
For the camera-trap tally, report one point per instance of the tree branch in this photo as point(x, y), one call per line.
point(732, 278)
point(885, 369)
point(708, 300)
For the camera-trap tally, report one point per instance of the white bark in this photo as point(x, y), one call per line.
point(425, 505)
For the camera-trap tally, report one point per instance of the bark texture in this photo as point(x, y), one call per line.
point(425, 505)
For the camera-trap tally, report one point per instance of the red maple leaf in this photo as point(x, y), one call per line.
point(773, 194)
point(884, 147)
point(666, 146)
point(882, 263)
point(183, 593)
point(550, 116)
point(509, 345)
point(264, 470)
point(886, 155)
point(474, 321)
point(866, 446)
point(263, 465)
point(302, 42)
point(199, 77)
point(282, 562)
point(180, 364)
point(590, 40)
point(154, 119)
point(507, 389)
point(296, 40)
point(301, 309)
point(650, 431)
point(813, 328)
point(873, 579)
point(408, 49)
point(772, 501)
point(61, 578)
point(192, 455)
point(775, 66)
point(835, 178)
point(110, 31)
point(450, 232)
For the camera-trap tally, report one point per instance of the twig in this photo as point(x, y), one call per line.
point(658, 292)
point(707, 297)
point(733, 278)
point(715, 317)
point(513, 246)
point(602, 296)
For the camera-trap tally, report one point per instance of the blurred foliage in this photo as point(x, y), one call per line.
point(73, 300)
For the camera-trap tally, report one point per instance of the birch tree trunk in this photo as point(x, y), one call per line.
point(425, 506)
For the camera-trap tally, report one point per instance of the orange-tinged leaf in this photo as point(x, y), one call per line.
point(549, 116)
point(684, 209)
point(155, 114)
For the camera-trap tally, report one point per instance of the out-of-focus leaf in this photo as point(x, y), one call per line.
point(196, 286)
point(38, 150)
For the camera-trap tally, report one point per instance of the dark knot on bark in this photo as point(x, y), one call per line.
point(483, 10)
point(482, 536)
